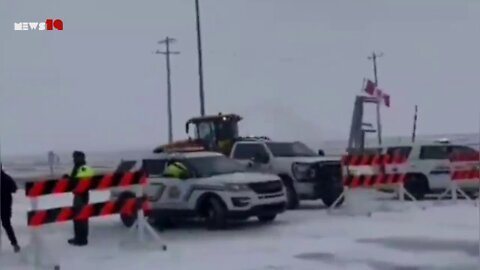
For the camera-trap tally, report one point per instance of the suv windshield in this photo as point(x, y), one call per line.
point(294, 149)
point(215, 165)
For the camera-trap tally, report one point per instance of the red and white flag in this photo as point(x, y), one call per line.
point(373, 90)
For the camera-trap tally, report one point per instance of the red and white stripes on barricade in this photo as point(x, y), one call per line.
point(38, 217)
point(34, 190)
point(464, 174)
point(377, 171)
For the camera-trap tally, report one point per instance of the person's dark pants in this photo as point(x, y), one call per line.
point(80, 227)
point(6, 216)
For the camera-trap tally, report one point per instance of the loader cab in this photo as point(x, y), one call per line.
point(216, 132)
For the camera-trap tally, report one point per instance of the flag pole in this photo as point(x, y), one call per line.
point(374, 58)
point(1, 165)
point(478, 196)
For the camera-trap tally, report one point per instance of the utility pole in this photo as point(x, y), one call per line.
point(167, 53)
point(200, 59)
point(414, 132)
point(374, 57)
point(1, 165)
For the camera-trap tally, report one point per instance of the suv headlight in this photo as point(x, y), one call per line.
point(303, 171)
point(154, 191)
point(237, 187)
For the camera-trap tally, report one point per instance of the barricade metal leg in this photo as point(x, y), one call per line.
point(447, 191)
point(465, 195)
point(339, 199)
point(403, 192)
point(346, 195)
point(454, 190)
point(143, 230)
point(36, 252)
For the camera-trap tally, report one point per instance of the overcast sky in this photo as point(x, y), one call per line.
point(291, 68)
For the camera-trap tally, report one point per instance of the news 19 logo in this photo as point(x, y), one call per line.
point(49, 24)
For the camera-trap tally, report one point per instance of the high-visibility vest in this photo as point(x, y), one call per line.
point(85, 171)
point(176, 170)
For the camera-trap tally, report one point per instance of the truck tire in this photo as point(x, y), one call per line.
point(292, 198)
point(417, 186)
point(266, 218)
point(127, 220)
point(216, 214)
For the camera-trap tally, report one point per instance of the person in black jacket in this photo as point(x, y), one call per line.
point(80, 227)
point(8, 187)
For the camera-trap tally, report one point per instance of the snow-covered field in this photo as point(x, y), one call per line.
point(402, 236)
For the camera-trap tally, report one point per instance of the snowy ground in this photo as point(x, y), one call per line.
point(443, 236)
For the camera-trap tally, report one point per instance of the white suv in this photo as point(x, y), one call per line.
point(217, 189)
point(428, 168)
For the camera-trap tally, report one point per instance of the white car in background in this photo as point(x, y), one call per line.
point(428, 166)
point(217, 189)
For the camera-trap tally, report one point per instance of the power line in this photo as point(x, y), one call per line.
point(167, 41)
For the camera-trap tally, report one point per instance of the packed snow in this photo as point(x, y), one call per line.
point(398, 235)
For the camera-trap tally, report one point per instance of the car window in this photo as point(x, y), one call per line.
point(153, 166)
point(403, 151)
point(248, 150)
point(434, 152)
point(462, 151)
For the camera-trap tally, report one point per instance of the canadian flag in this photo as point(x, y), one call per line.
point(373, 90)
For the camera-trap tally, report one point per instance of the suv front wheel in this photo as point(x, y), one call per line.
point(417, 186)
point(292, 198)
point(216, 214)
